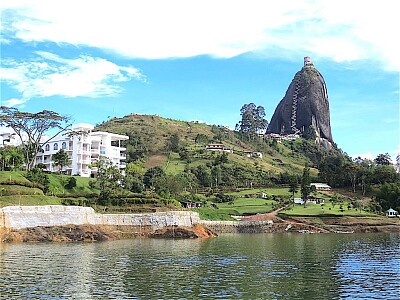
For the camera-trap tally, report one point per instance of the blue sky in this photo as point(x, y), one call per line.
point(202, 60)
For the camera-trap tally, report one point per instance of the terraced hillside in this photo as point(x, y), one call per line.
point(150, 136)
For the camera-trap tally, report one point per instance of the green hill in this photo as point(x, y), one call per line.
point(149, 137)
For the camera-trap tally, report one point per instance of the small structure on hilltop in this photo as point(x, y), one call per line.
point(251, 154)
point(321, 186)
point(314, 200)
point(391, 213)
point(218, 147)
point(192, 204)
point(262, 195)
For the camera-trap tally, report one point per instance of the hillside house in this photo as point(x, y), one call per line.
point(262, 195)
point(314, 200)
point(192, 204)
point(251, 154)
point(218, 147)
point(321, 186)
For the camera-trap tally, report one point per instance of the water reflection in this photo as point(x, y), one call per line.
point(269, 266)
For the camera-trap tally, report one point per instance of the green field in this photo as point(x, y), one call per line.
point(248, 206)
point(29, 200)
point(317, 209)
point(6, 176)
point(57, 183)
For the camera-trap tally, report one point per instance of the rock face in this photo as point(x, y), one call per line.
point(304, 107)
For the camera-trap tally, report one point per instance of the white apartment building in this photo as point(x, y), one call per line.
point(84, 148)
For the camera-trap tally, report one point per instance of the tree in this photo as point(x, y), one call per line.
point(252, 121)
point(201, 139)
point(60, 159)
point(383, 159)
point(216, 175)
point(203, 175)
point(37, 175)
point(31, 127)
point(133, 179)
point(153, 175)
point(389, 196)
point(293, 185)
point(335, 199)
point(71, 183)
point(109, 180)
point(11, 157)
point(306, 188)
point(173, 143)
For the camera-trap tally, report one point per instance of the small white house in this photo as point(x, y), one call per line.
point(391, 213)
point(298, 201)
point(251, 154)
point(309, 200)
point(218, 147)
point(321, 186)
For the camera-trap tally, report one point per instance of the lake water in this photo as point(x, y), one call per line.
point(260, 266)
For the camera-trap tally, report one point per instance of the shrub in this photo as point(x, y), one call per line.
point(71, 183)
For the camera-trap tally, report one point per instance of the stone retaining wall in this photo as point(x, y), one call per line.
point(19, 217)
point(238, 226)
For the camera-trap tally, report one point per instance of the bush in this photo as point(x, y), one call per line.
point(71, 183)
point(222, 198)
point(37, 175)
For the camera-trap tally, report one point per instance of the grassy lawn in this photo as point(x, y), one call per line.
point(29, 200)
point(216, 214)
point(318, 209)
point(248, 206)
point(269, 191)
point(239, 207)
point(14, 190)
point(57, 183)
point(14, 176)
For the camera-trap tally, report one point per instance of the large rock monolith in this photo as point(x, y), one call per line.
point(305, 107)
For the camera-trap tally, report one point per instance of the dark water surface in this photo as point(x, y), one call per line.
point(261, 266)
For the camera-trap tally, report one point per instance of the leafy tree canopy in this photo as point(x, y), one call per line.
point(31, 127)
point(253, 120)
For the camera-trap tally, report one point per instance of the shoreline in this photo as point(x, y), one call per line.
point(97, 233)
point(82, 224)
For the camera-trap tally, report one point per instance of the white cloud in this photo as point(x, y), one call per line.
point(340, 30)
point(367, 155)
point(14, 102)
point(51, 75)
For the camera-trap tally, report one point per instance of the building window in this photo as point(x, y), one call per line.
point(47, 148)
point(55, 147)
point(64, 145)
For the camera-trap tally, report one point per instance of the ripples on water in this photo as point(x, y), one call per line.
point(269, 266)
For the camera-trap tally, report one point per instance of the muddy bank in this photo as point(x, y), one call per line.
point(345, 224)
point(94, 233)
point(197, 231)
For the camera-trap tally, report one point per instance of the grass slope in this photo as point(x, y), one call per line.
point(152, 132)
point(18, 193)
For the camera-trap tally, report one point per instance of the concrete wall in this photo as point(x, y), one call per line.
point(237, 226)
point(57, 215)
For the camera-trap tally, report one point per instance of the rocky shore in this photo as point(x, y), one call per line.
point(94, 233)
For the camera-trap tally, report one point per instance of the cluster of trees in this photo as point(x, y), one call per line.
point(11, 158)
point(252, 120)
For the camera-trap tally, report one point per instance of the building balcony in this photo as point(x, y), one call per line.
point(84, 161)
point(87, 152)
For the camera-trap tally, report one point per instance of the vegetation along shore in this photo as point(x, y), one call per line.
point(222, 174)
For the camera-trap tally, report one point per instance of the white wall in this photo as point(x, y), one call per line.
point(18, 217)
